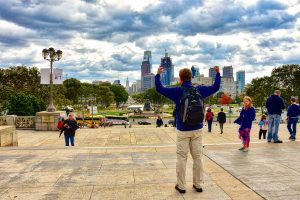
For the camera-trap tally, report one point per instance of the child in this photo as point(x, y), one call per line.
point(245, 119)
point(263, 126)
point(292, 114)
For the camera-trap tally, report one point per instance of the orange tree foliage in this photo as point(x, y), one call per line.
point(225, 99)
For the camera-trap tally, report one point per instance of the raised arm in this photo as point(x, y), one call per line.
point(206, 91)
point(171, 93)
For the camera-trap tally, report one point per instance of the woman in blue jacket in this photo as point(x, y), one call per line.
point(245, 119)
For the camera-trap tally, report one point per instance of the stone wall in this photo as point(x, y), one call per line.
point(8, 136)
point(46, 121)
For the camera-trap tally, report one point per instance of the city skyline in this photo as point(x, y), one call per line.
point(103, 40)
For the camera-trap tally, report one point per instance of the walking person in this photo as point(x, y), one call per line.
point(247, 115)
point(209, 117)
point(221, 118)
point(189, 122)
point(263, 126)
point(69, 128)
point(274, 105)
point(292, 114)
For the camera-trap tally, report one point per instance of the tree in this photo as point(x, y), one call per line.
point(73, 89)
point(259, 89)
point(287, 79)
point(105, 97)
point(120, 93)
point(25, 105)
point(225, 99)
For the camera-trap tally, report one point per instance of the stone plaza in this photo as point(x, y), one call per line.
point(139, 163)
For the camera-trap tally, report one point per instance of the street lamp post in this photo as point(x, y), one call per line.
point(82, 100)
point(51, 55)
point(91, 101)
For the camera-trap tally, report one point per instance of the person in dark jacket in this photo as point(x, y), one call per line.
point(69, 128)
point(274, 105)
point(292, 114)
point(188, 137)
point(221, 118)
point(245, 119)
point(209, 117)
point(159, 121)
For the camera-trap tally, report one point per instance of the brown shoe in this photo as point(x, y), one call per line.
point(198, 189)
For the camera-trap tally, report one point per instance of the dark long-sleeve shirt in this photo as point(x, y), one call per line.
point(175, 93)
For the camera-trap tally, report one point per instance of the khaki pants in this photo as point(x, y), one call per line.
point(189, 140)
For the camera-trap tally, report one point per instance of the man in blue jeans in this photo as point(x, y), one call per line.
point(188, 137)
point(274, 105)
point(292, 114)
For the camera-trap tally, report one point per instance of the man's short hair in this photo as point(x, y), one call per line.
point(293, 99)
point(277, 92)
point(221, 109)
point(185, 74)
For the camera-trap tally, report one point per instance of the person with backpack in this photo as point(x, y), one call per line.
point(189, 116)
point(60, 124)
point(263, 126)
point(221, 118)
point(292, 114)
point(209, 117)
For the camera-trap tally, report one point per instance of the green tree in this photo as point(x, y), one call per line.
point(73, 89)
point(105, 96)
point(287, 79)
point(259, 89)
point(25, 104)
point(120, 94)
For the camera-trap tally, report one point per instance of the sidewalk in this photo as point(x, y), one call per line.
point(139, 163)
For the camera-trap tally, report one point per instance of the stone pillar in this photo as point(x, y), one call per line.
point(8, 136)
point(46, 121)
point(11, 120)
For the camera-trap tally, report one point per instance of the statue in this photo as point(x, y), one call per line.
point(147, 106)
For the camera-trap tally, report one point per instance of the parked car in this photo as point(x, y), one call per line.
point(171, 122)
point(143, 122)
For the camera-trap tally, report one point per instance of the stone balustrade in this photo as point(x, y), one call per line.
point(8, 136)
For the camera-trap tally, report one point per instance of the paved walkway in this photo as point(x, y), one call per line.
point(139, 163)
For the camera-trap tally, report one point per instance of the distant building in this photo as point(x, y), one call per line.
point(149, 81)
point(99, 82)
point(211, 73)
point(229, 86)
point(145, 69)
point(195, 71)
point(240, 77)
point(117, 82)
point(138, 86)
point(228, 71)
point(148, 57)
point(167, 76)
point(127, 85)
point(201, 80)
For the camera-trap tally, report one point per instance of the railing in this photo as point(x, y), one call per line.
point(25, 122)
point(2, 120)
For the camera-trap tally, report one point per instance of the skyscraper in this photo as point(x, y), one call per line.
point(148, 57)
point(145, 69)
point(149, 81)
point(195, 71)
point(168, 74)
point(212, 73)
point(228, 71)
point(127, 84)
point(240, 77)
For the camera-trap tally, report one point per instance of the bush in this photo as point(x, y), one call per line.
point(25, 105)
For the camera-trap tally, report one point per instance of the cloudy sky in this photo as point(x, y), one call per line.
point(105, 39)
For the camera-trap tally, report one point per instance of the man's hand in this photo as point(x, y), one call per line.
point(160, 70)
point(217, 69)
